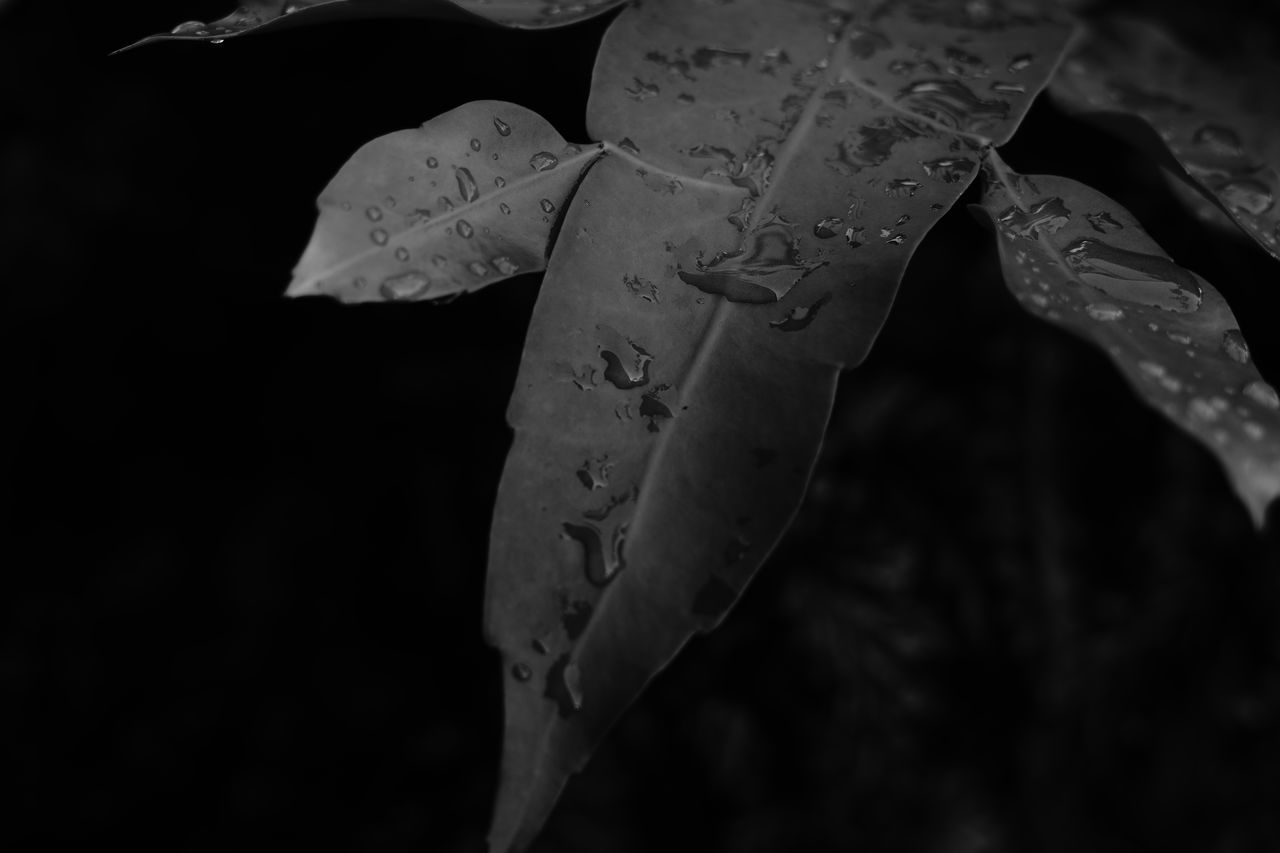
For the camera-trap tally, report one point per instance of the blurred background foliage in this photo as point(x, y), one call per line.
point(246, 537)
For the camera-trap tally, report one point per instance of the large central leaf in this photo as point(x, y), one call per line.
point(772, 166)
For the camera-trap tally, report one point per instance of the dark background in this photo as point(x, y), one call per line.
point(246, 535)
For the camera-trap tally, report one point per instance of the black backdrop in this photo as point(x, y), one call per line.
point(246, 536)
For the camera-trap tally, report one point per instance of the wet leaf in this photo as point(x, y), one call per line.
point(1225, 136)
point(1077, 259)
point(270, 15)
point(464, 201)
point(771, 167)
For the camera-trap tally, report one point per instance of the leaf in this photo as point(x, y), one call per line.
point(464, 201)
point(770, 169)
point(269, 15)
point(1226, 138)
point(1077, 259)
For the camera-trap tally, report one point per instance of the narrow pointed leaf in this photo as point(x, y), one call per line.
point(464, 201)
point(1077, 259)
point(270, 15)
point(1226, 137)
point(772, 166)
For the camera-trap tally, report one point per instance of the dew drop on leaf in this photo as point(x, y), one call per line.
point(402, 254)
point(466, 184)
point(1020, 63)
point(378, 236)
point(1104, 311)
point(478, 269)
point(1248, 195)
point(373, 212)
point(465, 230)
point(1233, 344)
point(547, 206)
point(825, 229)
point(499, 182)
point(505, 208)
point(432, 162)
point(1134, 276)
point(501, 126)
point(1219, 140)
point(505, 265)
point(404, 286)
point(543, 161)
point(1262, 394)
point(475, 144)
point(521, 672)
point(1008, 88)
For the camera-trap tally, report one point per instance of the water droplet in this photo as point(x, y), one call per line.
point(896, 239)
point(543, 161)
point(1202, 409)
point(1233, 344)
point(501, 126)
point(853, 236)
point(952, 103)
point(466, 184)
point(1020, 62)
point(402, 254)
point(475, 144)
point(825, 229)
point(432, 162)
point(1179, 338)
point(903, 219)
point(505, 265)
point(1248, 195)
point(446, 202)
point(373, 212)
point(949, 170)
point(1050, 214)
point(404, 286)
point(901, 188)
point(189, 28)
point(1103, 222)
point(625, 370)
point(601, 562)
point(522, 672)
point(641, 91)
point(1156, 371)
point(1104, 311)
point(1253, 430)
point(628, 146)
point(1219, 140)
point(478, 269)
point(217, 41)
point(564, 686)
point(684, 98)
point(505, 208)
point(1133, 276)
point(378, 236)
point(761, 270)
point(547, 206)
point(1262, 394)
point(715, 57)
point(800, 316)
point(1008, 88)
point(464, 229)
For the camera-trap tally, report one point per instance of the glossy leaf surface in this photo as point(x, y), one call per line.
point(1077, 259)
point(772, 166)
point(270, 15)
point(1226, 137)
point(466, 200)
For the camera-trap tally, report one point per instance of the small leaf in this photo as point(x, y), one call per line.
point(1226, 139)
point(466, 200)
point(271, 15)
point(771, 167)
point(1074, 257)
